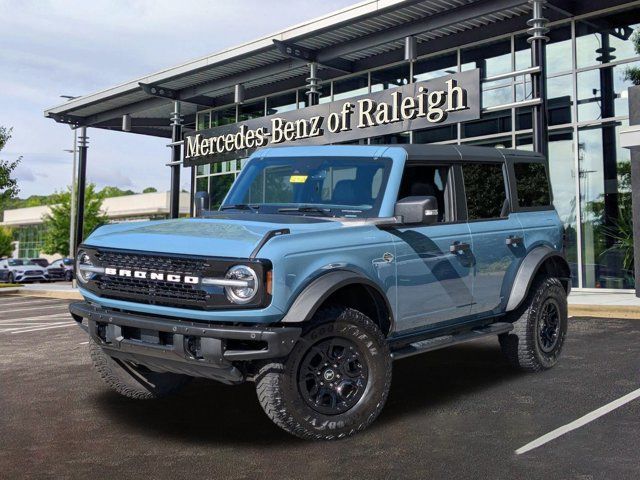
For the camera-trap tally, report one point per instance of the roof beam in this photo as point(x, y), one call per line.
point(302, 53)
point(164, 92)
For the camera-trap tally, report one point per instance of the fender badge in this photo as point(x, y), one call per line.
point(387, 257)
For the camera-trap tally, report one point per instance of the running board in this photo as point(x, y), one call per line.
point(436, 343)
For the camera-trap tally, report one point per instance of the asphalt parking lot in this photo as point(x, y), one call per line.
point(456, 413)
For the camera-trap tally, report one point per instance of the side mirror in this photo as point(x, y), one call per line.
point(201, 200)
point(417, 210)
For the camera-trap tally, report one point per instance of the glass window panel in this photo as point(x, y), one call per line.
point(350, 87)
point(560, 99)
point(436, 134)
point(605, 205)
point(492, 97)
point(434, 67)
point(532, 184)
point(491, 59)
point(202, 184)
point(202, 170)
point(522, 52)
point(500, 142)
point(559, 52)
point(203, 120)
point(524, 89)
point(218, 187)
point(484, 189)
point(490, 123)
point(223, 117)
point(390, 77)
point(621, 88)
point(523, 118)
point(563, 186)
point(324, 97)
point(250, 110)
point(281, 103)
point(606, 39)
point(397, 138)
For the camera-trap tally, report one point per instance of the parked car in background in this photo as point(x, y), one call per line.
point(61, 269)
point(14, 270)
point(43, 262)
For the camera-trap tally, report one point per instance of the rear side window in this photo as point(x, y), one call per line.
point(485, 191)
point(532, 184)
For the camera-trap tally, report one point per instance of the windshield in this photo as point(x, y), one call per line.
point(16, 262)
point(324, 186)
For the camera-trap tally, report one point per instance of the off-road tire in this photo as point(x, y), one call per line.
point(282, 400)
point(522, 346)
point(132, 381)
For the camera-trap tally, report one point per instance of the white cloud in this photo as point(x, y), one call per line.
point(73, 47)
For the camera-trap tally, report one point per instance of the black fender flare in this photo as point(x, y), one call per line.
point(318, 290)
point(527, 272)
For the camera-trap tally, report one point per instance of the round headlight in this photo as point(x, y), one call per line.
point(247, 284)
point(83, 274)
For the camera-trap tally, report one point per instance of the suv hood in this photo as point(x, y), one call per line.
point(226, 235)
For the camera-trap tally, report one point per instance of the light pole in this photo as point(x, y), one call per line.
point(72, 212)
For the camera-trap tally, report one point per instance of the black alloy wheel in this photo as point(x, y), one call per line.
point(332, 376)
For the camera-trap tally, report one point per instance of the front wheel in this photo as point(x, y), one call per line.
point(335, 381)
point(10, 278)
point(132, 380)
point(539, 329)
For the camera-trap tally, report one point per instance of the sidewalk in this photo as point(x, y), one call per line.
point(581, 304)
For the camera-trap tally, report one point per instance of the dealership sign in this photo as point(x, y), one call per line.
point(443, 100)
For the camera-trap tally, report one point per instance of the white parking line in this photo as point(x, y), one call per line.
point(580, 422)
point(37, 308)
point(43, 328)
point(30, 302)
point(30, 326)
point(37, 317)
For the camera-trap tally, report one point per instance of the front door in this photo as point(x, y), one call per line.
point(434, 263)
point(496, 234)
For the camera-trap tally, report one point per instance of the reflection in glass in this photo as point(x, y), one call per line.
point(434, 67)
point(490, 123)
point(250, 110)
point(607, 39)
point(560, 99)
point(282, 103)
point(492, 59)
point(559, 51)
point(225, 116)
point(218, 187)
point(350, 87)
point(390, 77)
point(563, 186)
point(605, 205)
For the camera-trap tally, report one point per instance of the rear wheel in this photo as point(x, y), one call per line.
point(335, 381)
point(134, 381)
point(540, 328)
point(68, 275)
point(10, 278)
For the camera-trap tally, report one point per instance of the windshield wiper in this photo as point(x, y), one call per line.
point(304, 209)
point(241, 206)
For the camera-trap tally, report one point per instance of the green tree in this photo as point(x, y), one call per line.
point(8, 185)
point(150, 190)
point(109, 192)
point(6, 242)
point(633, 73)
point(56, 224)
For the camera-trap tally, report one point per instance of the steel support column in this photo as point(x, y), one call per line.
point(176, 160)
point(313, 82)
point(538, 40)
point(83, 145)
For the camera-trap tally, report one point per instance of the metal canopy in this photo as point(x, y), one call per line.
point(356, 38)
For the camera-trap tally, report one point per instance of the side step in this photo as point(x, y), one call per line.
point(436, 343)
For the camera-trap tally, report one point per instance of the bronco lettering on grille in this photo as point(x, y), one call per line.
point(146, 275)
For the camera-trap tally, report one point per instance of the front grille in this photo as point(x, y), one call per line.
point(33, 272)
point(152, 291)
point(179, 294)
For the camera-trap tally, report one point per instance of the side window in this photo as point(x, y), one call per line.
point(532, 184)
point(485, 190)
point(423, 181)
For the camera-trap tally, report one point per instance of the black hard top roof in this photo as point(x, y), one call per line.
point(466, 153)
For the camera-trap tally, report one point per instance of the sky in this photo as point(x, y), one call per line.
point(67, 47)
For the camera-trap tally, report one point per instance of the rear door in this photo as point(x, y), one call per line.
point(434, 265)
point(496, 233)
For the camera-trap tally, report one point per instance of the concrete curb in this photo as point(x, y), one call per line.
point(605, 311)
point(9, 290)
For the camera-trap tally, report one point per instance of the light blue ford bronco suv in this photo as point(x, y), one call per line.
point(322, 266)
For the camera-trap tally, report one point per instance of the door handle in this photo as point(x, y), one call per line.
point(513, 240)
point(459, 247)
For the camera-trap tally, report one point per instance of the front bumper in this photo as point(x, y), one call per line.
point(182, 346)
point(31, 278)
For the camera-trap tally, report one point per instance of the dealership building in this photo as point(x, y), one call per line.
point(525, 74)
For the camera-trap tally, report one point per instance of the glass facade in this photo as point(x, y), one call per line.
point(587, 104)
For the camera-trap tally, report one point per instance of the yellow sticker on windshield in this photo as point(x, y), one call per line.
point(298, 178)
